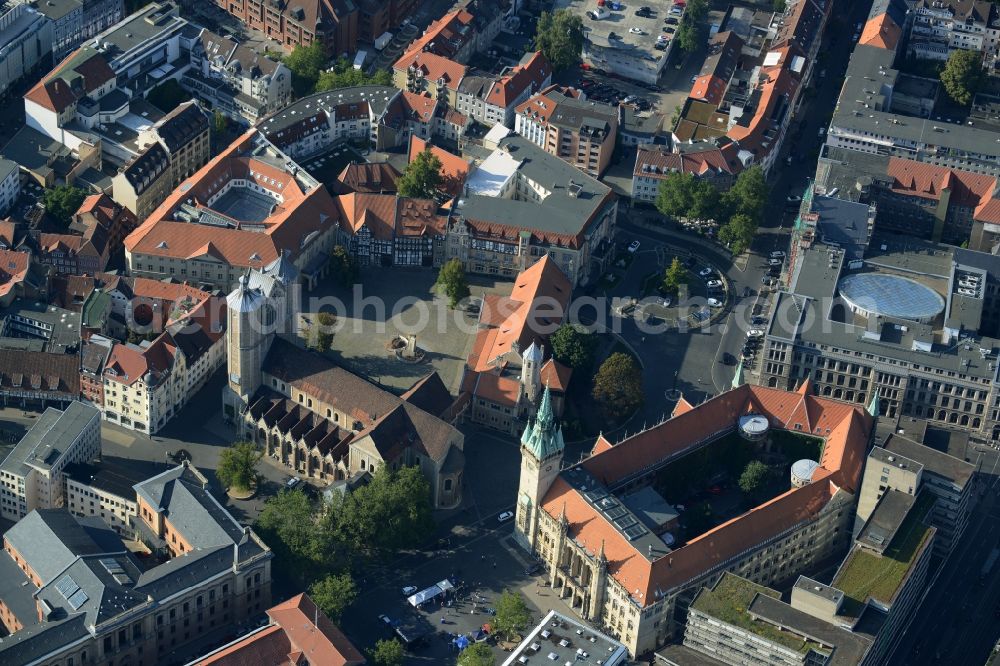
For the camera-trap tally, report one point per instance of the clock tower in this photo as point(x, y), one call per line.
point(541, 459)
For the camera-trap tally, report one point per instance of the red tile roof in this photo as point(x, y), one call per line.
point(929, 181)
point(454, 169)
point(881, 32)
point(13, 269)
point(658, 163)
point(79, 74)
point(433, 67)
point(299, 215)
point(555, 375)
point(530, 77)
point(299, 634)
point(845, 428)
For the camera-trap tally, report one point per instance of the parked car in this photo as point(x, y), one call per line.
point(533, 569)
point(728, 359)
point(386, 619)
point(705, 272)
point(774, 262)
point(777, 254)
point(767, 281)
point(671, 21)
point(793, 199)
point(754, 333)
point(409, 590)
point(714, 303)
point(714, 283)
point(665, 302)
point(637, 31)
point(747, 292)
point(505, 516)
point(633, 246)
point(757, 321)
point(292, 482)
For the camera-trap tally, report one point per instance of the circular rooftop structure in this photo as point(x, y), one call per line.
point(754, 427)
point(802, 472)
point(873, 294)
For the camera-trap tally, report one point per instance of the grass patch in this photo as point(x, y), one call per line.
point(796, 446)
point(729, 601)
point(726, 456)
point(867, 575)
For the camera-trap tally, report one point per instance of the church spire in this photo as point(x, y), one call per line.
point(738, 377)
point(544, 437)
point(873, 405)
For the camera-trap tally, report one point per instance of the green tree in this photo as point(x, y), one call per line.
point(333, 594)
point(324, 331)
point(238, 465)
point(288, 525)
point(748, 195)
point(344, 75)
point(753, 477)
point(618, 386)
point(62, 202)
point(451, 281)
point(675, 276)
point(512, 616)
point(343, 266)
point(477, 654)
point(675, 194)
point(691, 31)
point(559, 37)
point(388, 653)
point(704, 200)
point(963, 75)
point(738, 233)
point(392, 512)
point(573, 346)
point(220, 122)
point(422, 176)
point(778, 6)
point(306, 63)
point(168, 95)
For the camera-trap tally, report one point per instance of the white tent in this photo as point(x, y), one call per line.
point(445, 585)
point(424, 595)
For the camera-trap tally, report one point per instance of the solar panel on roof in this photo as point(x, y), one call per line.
point(67, 586)
point(112, 566)
point(78, 599)
point(625, 521)
point(615, 512)
point(635, 532)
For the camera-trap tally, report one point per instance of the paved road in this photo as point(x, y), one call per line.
point(957, 622)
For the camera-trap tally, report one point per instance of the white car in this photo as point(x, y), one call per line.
point(637, 31)
point(665, 302)
point(714, 303)
point(409, 590)
point(633, 246)
point(714, 283)
point(705, 272)
point(777, 254)
point(505, 516)
point(774, 262)
point(754, 333)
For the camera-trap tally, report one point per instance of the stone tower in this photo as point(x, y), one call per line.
point(531, 371)
point(541, 458)
point(257, 310)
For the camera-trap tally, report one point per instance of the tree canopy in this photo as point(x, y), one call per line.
point(691, 31)
point(748, 195)
point(618, 386)
point(324, 332)
point(333, 594)
point(513, 615)
point(344, 75)
point(559, 37)
point(675, 276)
point(573, 346)
point(684, 195)
point(238, 465)
point(388, 653)
point(963, 75)
point(343, 267)
point(62, 202)
point(306, 63)
point(477, 654)
point(422, 176)
point(452, 282)
point(392, 512)
point(753, 477)
point(738, 233)
point(288, 525)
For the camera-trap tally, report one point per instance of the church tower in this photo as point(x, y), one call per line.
point(541, 458)
point(531, 372)
point(249, 330)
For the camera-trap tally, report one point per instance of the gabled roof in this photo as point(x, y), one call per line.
point(433, 68)
point(79, 74)
point(527, 77)
point(49, 540)
point(367, 178)
point(881, 32)
point(454, 169)
point(13, 269)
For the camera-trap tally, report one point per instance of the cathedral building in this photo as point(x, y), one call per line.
point(319, 420)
